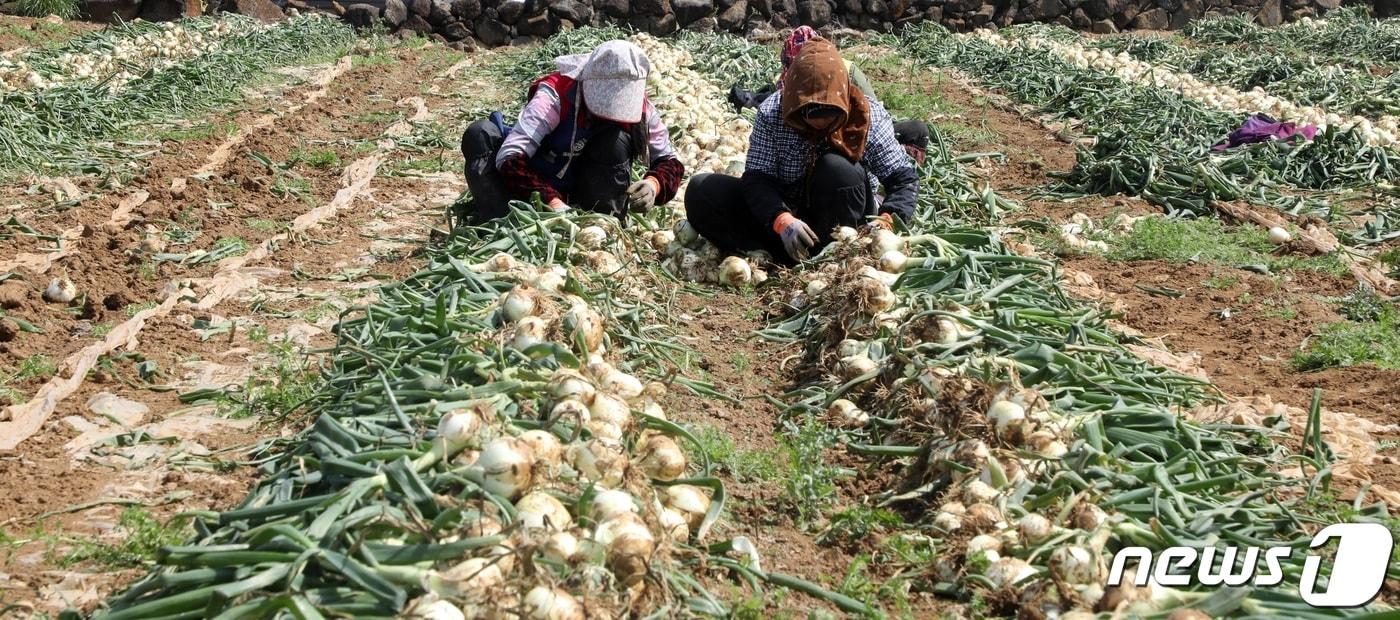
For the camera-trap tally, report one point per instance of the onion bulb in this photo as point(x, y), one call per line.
point(893, 261)
point(855, 366)
point(845, 414)
point(518, 303)
point(567, 383)
point(685, 233)
point(690, 501)
point(434, 609)
point(1075, 564)
point(1007, 572)
point(60, 291)
point(1088, 517)
point(1034, 528)
point(472, 578)
point(560, 546)
point(735, 272)
point(548, 451)
point(845, 234)
point(1004, 414)
point(583, 322)
point(815, 287)
point(549, 279)
point(875, 295)
point(882, 241)
point(599, 460)
point(849, 347)
point(571, 410)
point(456, 430)
point(661, 457)
point(629, 547)
point(610, 409)
point(592, 237)
point(1279, 235)
point(674, 524)
point(609, 504)
point(625, 386)
point(505, 466)
point(982, 517)
point(529, 331)
point(546, 603)
point(947, 521)
point(542, 510)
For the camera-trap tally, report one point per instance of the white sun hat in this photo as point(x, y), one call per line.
point(613, 79)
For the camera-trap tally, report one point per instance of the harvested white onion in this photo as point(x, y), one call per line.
point(542, 510)
point(506, 465)
point(60, 291)
point(546, 603)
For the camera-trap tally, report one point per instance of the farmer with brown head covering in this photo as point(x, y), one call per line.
point(818, 154)
point(575, 140)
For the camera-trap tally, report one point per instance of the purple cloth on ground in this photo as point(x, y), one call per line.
point(1262, 128)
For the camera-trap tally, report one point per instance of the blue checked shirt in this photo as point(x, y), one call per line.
point(777, 152)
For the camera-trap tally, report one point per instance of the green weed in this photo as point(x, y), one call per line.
point(1220, 282)
point(324, 158)
point(39, 34)
point(144, 534)
point(67, 9)
point(1353, 343)
point(233, 245)
point(1206, 240)
point(37, 366)
point(131, 309)
point(743, 465)
point(858, 523)
point(277, 388)
point(811, 484)
point(101, 329)
point(263, 225)
point(740, 362)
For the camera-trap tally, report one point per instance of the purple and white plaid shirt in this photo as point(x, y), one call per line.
point(777, 151)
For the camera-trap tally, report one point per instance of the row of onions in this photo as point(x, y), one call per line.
point(1155, 143)
point(120, 54)
point(74, 126)
point(1305, 80)
point(1025, 442)
point(1381, 133)
point(1348, 35)
point(489, 441)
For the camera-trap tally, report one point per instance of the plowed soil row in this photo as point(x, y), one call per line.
point(190, 456)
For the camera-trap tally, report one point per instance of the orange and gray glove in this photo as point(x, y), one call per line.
point(558, 206)
point(642, 194)
point(883, 220)
point(797, 236)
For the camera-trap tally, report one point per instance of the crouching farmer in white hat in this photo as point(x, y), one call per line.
point(575, 141)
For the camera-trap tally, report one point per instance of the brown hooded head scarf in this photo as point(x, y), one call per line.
point(818, 77)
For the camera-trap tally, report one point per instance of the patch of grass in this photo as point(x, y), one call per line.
point(887, 594)
point(1220, 282)
point(131, 309)
point(1354, 343)
point(40, 34)
point(37, 366)
point(1362, 304)
point(290, 186)
point(289, 380)
point(319, 311)
point(437, 163)
point(811, 486)
point(102, 329)
point(323, 158)
point(1206, 240)
point(744, 465)
point(144, 534)
point(858, 523)
point(67, 9)
point(1280, 308)
point(1390, 258)
point(740, 362)
point(263, 225)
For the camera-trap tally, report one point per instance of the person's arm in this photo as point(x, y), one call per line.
point(888, 161)
point(539, 117)
point(666, 170)
point(761, 186)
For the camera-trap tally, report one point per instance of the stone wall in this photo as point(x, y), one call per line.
point(469, 23)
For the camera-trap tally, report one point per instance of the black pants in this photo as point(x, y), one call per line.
point(602, 172)
point(838, 194)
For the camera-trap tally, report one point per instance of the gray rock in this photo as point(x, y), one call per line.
point(762, 8)
point(441, 13)
point(416, 23)
point(536, 26)
point(1125, 16)
point(705, 24)
point(523, 41)
point(111, 11)
point(491, 31)
point(613, 8)
point(688, 11)
point(510, 11)
point(421, 8)
point(934, 14)
point(962, 6)
point(456, 31)
point(395, 12)
point(1103, 9)
point(878, 9)
point(1041, 10)
point(1153, 19)
point(1270, 14)
point(466, 10)
point(850, 7)
point(1170, 6)
point(164, 10)
point(1080, 19)
point(1331, 4)
point(814, 13)
point(651, 7)
point(1103, 26)
point(732, 18)
point(572, 11)
point(361, 15)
